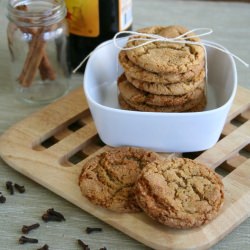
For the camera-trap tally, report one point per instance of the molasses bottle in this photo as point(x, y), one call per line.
point(93, 21)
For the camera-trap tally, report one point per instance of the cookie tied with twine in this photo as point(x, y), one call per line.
point(187, 37)
point(150, 38)
point(162, 57)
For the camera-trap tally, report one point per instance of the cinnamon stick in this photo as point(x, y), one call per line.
point(36, 57)
point(33, 59)
point(46, 70)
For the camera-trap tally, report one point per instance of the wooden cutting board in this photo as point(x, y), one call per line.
point(51, 145)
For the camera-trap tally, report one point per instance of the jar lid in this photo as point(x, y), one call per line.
point(36, 12)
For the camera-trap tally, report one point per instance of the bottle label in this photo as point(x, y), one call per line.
point(125, 14)
point(83, 17)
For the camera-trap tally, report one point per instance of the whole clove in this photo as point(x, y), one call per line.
point(2, 198)
point(52, 215)
point(103, 248)
point(90, 230)
point(51, 211)
point(45, 247)
point(19, 188)
point(48, 217)
point(9, 187)
point(23, 240)
point(83, 245)
point(27, 229)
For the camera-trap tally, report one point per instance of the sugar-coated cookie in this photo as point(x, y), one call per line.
point(166, 57)
point(108, 179)
point(138, 73)
point(137, 96)
point(168, 89)
point(179, 193)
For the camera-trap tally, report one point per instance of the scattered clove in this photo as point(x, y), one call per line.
point(20, 189)
point(90, 230)
point(9, 187)
point(48, 217)
point(52, 215)
point(2, 198)
point(83, 245)
point(51, 211)
point(45, 247)
point(27, 229)
point(23, 240)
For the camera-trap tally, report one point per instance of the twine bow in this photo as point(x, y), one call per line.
point(151, 38)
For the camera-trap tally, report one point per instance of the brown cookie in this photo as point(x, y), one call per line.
point(198, 108)
point(108, 179)
point(180, 193)
point(124, 105)
point(166, 57)
point(137, 96)
point(177, 108)
point(168, 89)
point(138, 73)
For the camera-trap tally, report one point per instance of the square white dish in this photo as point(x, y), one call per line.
point(161, 132)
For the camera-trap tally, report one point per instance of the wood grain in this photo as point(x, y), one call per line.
point(41, 146)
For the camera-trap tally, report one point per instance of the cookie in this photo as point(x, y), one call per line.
point(198, 108)
point(138, 73)
point(166, 57)
point(181, 88)
point(137, 96)
point(108, 179)
point(179, 193)
point(174, 108)
point(124, 105)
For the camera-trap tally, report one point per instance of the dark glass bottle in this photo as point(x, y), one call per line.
point(93, 21)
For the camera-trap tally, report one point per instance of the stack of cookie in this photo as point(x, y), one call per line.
point(163, 76)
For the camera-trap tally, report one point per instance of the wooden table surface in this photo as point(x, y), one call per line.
point(231, 25)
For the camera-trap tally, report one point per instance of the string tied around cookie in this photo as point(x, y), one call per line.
point(151, 38)
point(183, 39)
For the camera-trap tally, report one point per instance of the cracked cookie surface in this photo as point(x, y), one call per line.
point(137, 96)
point(198, 108)
point(174, 108)
point(108, 179)
point(168, 89)
point(180, 193)
point(139, 73)
point(166, 57)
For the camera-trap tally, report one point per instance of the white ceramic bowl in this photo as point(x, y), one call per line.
point(161, 132)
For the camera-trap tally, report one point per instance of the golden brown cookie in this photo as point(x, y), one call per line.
point(124, 105)
point(137, 96)
point(180, 193)
point(108, 179)
point(138, 73)
point(174, 108)
point(166, 57)
point(198, 108)
point(168, 89)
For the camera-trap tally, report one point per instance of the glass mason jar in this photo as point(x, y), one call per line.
point(37, 39)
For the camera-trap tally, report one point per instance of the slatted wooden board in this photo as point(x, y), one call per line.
point(50, 146)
